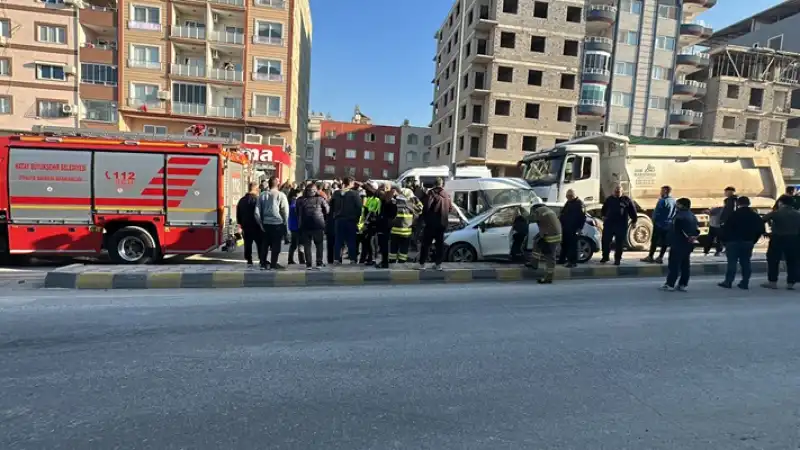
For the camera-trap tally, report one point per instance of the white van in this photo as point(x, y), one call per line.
point(478, 195)
point(426, 176)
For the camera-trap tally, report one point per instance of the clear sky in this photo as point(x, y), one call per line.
point(378, 54)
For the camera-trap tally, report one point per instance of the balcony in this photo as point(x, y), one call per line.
point(187, 70)
point(277, 4)
point(585, 133)
point(263, 76)
point(485, 20)
point(692, 33)
point(226, 37)
point(239, 3)
point(480, 85)
point(695, 7)
point(100, 54)
point(98, 16)
point(149, 65)
point(268, 40)
point(591, 108)
point(483, 52)
point(691, 60)
point(685, 118)
point(599, 44)
point(688, 89)
point(189, 109)
point(595, 75)
point(600, 17)
point(144, 26)
point(145, 104)
point(255, 112)
point(183, 32)
point(222, 74)
point(226, 112)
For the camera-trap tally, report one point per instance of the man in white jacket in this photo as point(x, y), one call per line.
point(272, 213)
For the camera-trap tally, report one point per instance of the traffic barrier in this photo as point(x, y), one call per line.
point(75, 278)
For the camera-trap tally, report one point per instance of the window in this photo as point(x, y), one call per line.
point(595, 94)
point(505, 74)
point(145, 57)
point(621, 99)
point(390, 139)
point(567, 81)
point(426, 141)
point(351, 136)
point(51, 34)
point(144, 94)
point(158, 130)
point(50, 108)
point(528, 143)
point(193, 94)
point(574, 14)
point(330, 170)
point(654, 131)
point(624, 68)
point(540, 10)
point(100, 111)
point(499, 141)
point(751, 127)
point(565, 114)
point(411, 157)
point(50, 72)
point(330, 152)
point(631, 6)
point(98, 74)
point(665, 43)
point(775, 43)
point(367, 172)
point(662, 73)
point(450, 121)
point(507, 40)
point(571, 48)
point(756, 98)
point(412, 139)
point(269, 33)
point(5, 67)
point(531, 110)
point(535, 77)
point(350, 171)
point(267, 106)
point(350, 153)
point(388, 157)
point(462, 112)
point(268, 70)
point(503, 218)
point(385, 173)
point(330, 134)
point(510, 6)
point(657, 102)
point(667, 12)
point(502, 107)
point(369, 137)
point(538, 44)
point(5, 28)
point(628, 37)
point(6, 104)
point(597, 61)
point(733, 91)
point(147, 15)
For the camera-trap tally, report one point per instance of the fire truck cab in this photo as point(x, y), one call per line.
point(140, 197)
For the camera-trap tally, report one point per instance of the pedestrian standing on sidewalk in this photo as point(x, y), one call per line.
point(662, 222)
point(383, 225)
point(272, 213)
point(573, 218)
point(741, 232)
point(295, 243)
point(791, 192)
point(714, 238)
point(246, 218)
point(435, 218)
point(682, 238)
point(312, 209)
point(784, 243)
point(346, 207)
point(617, 210)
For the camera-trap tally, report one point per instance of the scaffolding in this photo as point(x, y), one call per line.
point(756, 63)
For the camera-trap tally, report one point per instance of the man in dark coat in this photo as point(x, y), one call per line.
point(617, 210)
point(573, 218)
point(741, 232)
point(245, 217)
point(435, 216)
point(784, 244)
point(682, 238)
point(312, 209)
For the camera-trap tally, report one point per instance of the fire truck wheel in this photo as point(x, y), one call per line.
point(132, 245)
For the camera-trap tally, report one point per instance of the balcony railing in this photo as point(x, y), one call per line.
point(592, 102)
point(226, 37)
point(226, 74)
point(269, 40)
point(596, 71)
point(187, 70)
point(194, 109)
point(692, 51)
point(687, 113)
point(147, 26)
point(254, 112)
point(229, 2)
point(225, 111)
point(280, 4)
point(586, 133)
point(139, 64)
point(188, 32)
point(259, 76)
point(146, 102)
point(693, 83)
point(598, 39)
point(103, 46)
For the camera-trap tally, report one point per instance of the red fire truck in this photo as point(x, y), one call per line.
point(139, 197)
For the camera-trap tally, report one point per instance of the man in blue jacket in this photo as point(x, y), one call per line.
point(682, 237)
point(662, 222)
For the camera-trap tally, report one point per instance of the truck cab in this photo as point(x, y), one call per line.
point(573, 166)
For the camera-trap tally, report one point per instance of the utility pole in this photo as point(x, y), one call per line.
point(457, 107)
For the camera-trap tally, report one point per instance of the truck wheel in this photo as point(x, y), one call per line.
point(132, 245)
point(639, 236)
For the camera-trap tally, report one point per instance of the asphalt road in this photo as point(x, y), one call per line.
point(513, 366)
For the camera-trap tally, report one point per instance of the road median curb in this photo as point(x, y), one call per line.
point(88, 279)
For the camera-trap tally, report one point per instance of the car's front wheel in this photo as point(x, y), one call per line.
point(585, 249)
point(462, 253)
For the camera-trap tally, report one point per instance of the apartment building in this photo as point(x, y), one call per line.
point(239, 67)
point(514, 88)
point(415, 147)
point(641, 72)
point(313, 145)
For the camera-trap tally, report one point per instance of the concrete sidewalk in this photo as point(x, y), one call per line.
point(170, 276)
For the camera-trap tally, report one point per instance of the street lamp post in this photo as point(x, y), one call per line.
point(461, 36)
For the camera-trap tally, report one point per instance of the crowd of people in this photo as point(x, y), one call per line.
point(369, 223)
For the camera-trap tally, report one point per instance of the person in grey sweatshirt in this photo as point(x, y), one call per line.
point(272, 213)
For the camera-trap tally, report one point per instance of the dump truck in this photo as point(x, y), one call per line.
point(138, 197)
point(592, 166)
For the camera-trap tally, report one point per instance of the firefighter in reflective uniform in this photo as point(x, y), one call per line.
point(549, 241)
point(401, 226)
point(367, 224)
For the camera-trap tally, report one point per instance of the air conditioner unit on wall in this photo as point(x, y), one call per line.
point(68, 110)
point(3, 41)
point(163, 95)
point(252, 138)
point(211, 131)
point(70, 70)
point(249, 130)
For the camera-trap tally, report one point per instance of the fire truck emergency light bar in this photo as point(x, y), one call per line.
point(128, 136)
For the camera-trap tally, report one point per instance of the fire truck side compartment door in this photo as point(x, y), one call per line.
point(129, 182)
point(50, 186)
point(192, 187)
